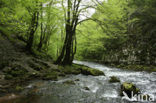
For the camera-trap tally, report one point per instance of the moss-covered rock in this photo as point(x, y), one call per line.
point(90, 71)
point(51, 76)
point(80, 69)
point(114, 79)
point(69, 70)
point(70, 82)
point(36, 66)
point(77, 79)
point(128, 88)
point(8, 77)
point(34, 75)
point(19, 88)
point(15, 71)
point(86, 88)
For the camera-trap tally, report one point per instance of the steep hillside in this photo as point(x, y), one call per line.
point(17, 65)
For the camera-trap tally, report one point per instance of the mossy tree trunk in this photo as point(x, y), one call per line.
point(33, 28)
point(68, 51)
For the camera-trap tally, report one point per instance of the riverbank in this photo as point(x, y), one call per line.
point(83, 88)
point(133, 67)
point(18, 67)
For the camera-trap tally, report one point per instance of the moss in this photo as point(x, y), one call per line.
point(80, 69)
point(69, 70)
point(19, 88)
point(35, 66)
point(114, 79)
point(127, 85)
point(90, 71)
point(34, 75)
point(51, 76)
point(8, 77)
point(15, 71)
point(128, 88)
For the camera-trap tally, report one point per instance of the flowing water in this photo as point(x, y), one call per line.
point(88, 89)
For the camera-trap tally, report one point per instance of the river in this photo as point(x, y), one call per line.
point(88, 89)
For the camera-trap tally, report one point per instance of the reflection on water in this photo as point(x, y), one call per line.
point(19, 99)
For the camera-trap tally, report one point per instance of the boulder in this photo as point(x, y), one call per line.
point(86, 88)
point(114, 79)
point(129, 88)
point(91, 71)
point(70, 82)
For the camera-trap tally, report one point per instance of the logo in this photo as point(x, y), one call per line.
point(138, 97)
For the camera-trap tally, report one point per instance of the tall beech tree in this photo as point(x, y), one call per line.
point(33, 25)
point(72, 13)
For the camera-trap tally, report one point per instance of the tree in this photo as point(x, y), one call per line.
point(72, 14)
point(48, 24)
point(143, 29)
point(33, 26)
point(106, 34)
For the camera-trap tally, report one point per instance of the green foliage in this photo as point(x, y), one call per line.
point(120, 32)
point(143, 29)
point(106, 34)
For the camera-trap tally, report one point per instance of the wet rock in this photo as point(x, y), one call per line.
point(129, 88)
point(51, 76)
point(2, 76)
point(15, 70)
point(86, 88)
point(19, 88)
point(114, 79)
point(34, 75)
point(8, 77)
point(90, 71)
point(77, 79)
point(70, 82)
point(80, 69)
point(35, 66)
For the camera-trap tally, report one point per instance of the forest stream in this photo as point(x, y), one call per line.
point(86, 89)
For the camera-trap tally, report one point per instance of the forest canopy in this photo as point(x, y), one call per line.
point(118, 31)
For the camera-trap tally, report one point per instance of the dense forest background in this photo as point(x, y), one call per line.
point(119, 31)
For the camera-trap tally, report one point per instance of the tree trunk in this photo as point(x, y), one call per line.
point(67, 58)
point(33, 28)
point(67, 55)
point(41, 37)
